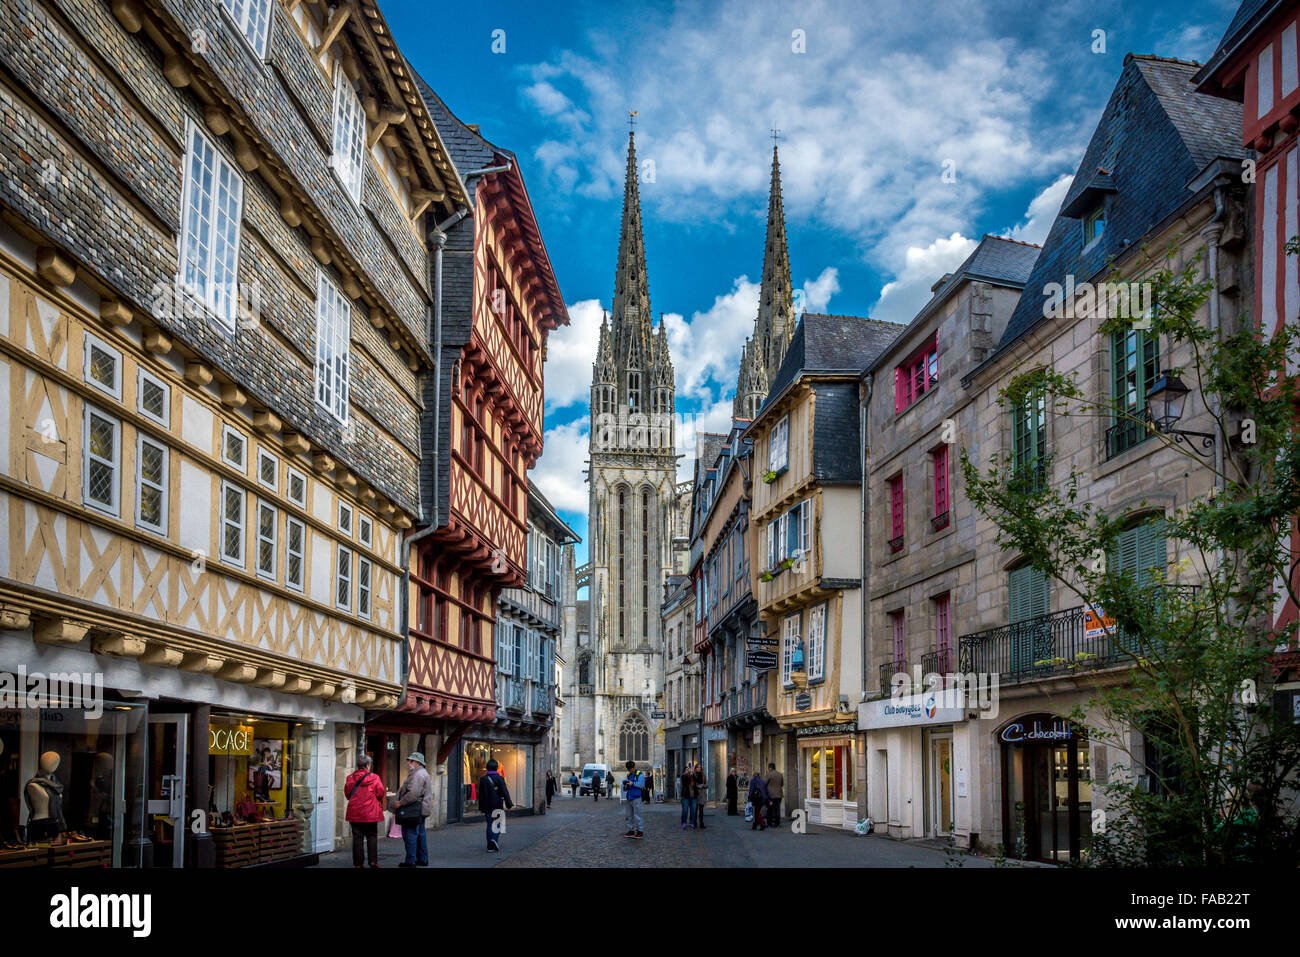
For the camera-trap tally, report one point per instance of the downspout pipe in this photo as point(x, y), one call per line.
point(868, 383)
point(439, 237)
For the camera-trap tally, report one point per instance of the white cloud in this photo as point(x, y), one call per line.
point(559, 472)
point(1042, 212)
point(816, 293)
point(903, 296)
point(714, 416)
point(570, 351)
point(707, 349)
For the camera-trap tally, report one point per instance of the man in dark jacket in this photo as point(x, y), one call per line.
point(609, 783)
point(702, 789)
point(493, 796)
point(688, 797)
point(552, 786)
point(758, 801)
point(648, 796)
point(733, 792)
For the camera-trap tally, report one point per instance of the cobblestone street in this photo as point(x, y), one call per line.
point(583, 833)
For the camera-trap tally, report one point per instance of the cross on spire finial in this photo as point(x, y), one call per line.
point(776, 135)
point(631, 119)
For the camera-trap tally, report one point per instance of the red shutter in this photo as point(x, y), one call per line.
point(942, 639)
point(900, 640)
point(896, 504)
point(941, 481)
point(900, 398)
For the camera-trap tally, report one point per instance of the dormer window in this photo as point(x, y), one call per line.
point(1094, 224)
point(917, 375)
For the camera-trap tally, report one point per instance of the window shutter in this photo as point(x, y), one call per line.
point(1150, 551)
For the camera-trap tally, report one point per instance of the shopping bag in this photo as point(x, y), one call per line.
point(394, 829)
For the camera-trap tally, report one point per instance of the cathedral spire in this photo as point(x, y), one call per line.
point(774, 326)
point(632, 316)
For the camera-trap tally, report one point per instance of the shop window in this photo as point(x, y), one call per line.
point(151, 485)
point(817, 643)
point(232, 523)
point(295, 533)
point(214, 193)
point(153, 398)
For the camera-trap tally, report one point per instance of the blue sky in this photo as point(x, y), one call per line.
point(882, 99)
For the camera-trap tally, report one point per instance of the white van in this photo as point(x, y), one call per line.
point(585, 781)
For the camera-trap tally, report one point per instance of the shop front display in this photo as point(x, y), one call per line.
point(69, 785)
point(828, 774)
point(1046, 788)
point(514, 763)
point(262, 788)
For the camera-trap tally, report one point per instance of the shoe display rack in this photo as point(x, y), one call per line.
point(81, 854)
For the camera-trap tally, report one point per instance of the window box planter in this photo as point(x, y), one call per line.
point(939, 522)
point(773, 474)
point(766, 577)
point(786, 563)
point(896, 544)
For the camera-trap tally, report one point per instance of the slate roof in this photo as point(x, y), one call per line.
point(996, 260)
point(1248, 16)
point(1155, 135)
point(824, 343)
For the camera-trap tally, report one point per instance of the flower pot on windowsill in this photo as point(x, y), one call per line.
point(766, 577)
point(769, 478)
point(786, 563)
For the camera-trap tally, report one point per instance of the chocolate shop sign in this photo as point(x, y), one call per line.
point(1028, 730)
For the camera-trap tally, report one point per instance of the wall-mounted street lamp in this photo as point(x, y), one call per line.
point(1165, 402)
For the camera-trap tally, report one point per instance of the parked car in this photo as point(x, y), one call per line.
point(584, 782)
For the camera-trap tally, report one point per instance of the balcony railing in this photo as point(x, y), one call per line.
point(936, 662)
point(939, 522)
point(542, 700)
point(1128, 433)
point(887, 672)
point(896, 543)
point(744, 700)
point(1044, 647)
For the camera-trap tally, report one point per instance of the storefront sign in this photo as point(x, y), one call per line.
point(1044, 728)
point(760, 660)
point(802, 701)
point(230, 738)
point(760, 643)
point(657, 715)
point(932, 707)
point(817, 730)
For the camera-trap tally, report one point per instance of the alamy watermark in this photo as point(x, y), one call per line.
point(1107, 300)
point(35, 690)
point(923, 693)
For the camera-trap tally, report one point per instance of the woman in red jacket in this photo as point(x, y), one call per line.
point(365, 793)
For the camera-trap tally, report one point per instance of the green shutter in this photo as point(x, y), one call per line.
point(1030, 597)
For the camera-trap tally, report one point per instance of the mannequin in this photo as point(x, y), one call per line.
point(44, 795)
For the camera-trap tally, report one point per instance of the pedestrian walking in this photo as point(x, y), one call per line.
point(364, 791)
point(688, 797)
point(414, 803)
point(758, 803)
point(493, 796)
point(552, 786)
point(733, 792)
point(775, 782)
point(649, 788)
point(609, 783)
point(573, 784)
point(702, 792)
point(596, 778)
point(634, 788)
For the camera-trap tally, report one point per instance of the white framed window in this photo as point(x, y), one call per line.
point(817, 642)
point(268, 469)
point(363, 587)
point(266, 547)
point(232, 523)
point(213, 198)
point(101, 461)
point(366, 530)
point(151, 485)
point(789, 641)
point(296, 487)
point(333, 331)
point(805, 526)
point(345, 518)
point(294, 547)
point(349, 134)
point(153, 398)
point(234, 448)
point(778, 445)
point(253, 17)
point(343, 579)
point(102, 366)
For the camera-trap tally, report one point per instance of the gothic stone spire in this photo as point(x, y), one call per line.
point(774, 326)
point(632, 316)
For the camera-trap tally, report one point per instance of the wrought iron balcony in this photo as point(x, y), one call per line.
point(887, 672)
point(937, 662)
point(896, 544)
point(1129, 432)
point(1045, 647)
point(744, 701)
point(542, 700)
point(939, 521)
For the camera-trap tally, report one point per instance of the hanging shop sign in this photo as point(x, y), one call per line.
point(760, 660)
point(802, 701)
